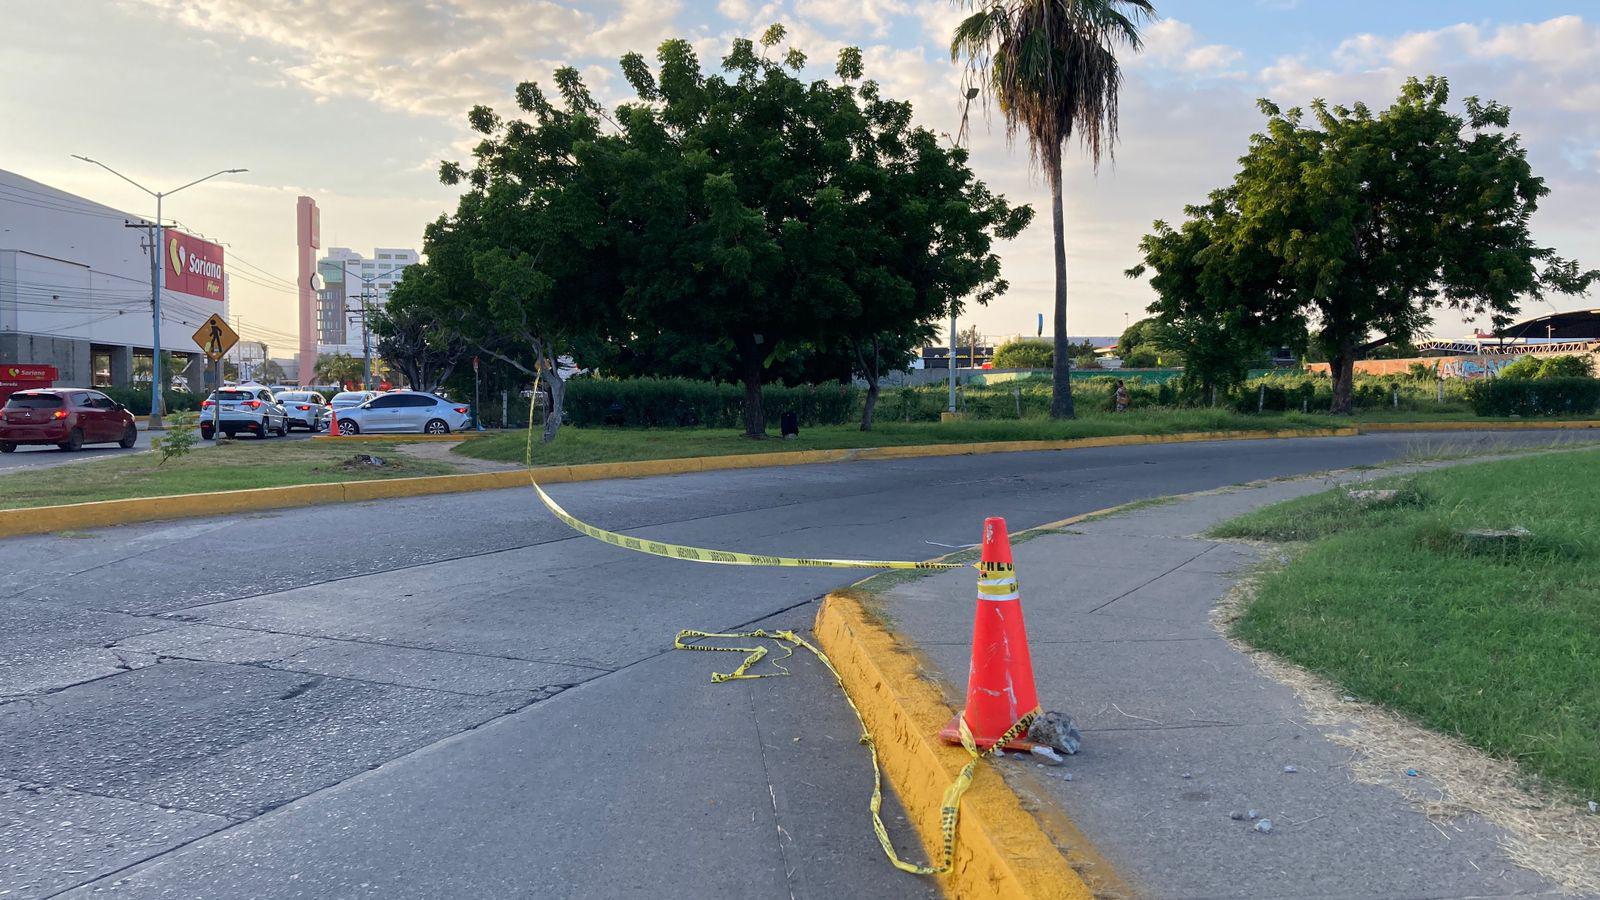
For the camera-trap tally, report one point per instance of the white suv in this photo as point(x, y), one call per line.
point(244, 407)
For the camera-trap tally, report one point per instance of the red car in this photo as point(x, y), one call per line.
point(66, 417)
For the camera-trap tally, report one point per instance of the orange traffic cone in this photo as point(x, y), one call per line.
point(1001, 701)
point(333, 427)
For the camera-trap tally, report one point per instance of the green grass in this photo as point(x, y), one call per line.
point(585, 445)
point(226, 467)
point(1500, 647)
point(589, 445)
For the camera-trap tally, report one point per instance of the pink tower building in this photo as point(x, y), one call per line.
point(308, 239)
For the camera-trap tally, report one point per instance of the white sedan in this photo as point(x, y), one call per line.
point(405, 411)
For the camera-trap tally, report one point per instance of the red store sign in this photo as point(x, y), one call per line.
point(194, 266)
point(29, 373)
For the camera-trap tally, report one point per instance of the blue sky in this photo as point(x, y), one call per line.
point(356, 102)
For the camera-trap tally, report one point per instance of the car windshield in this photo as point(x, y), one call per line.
point(294, 395)
point(350, 398)
point(33, 401)
point(233, 395)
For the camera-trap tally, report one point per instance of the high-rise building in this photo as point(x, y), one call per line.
point(308, 239)
point(349, 282)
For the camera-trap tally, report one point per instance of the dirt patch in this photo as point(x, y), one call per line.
point(443, 451)
point(1553, 834)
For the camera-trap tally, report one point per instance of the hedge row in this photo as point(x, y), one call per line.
point(1535, 396)
point(137, 400)
point(682, 403)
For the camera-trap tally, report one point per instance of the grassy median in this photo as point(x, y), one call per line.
point(586, 445)
point(1492, 639)
point(231, 465)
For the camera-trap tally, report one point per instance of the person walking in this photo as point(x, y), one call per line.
point(1121, 396)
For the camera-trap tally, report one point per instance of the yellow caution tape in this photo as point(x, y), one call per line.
point(949, 807)
point(701, 554)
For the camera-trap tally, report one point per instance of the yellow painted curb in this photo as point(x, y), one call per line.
point(1001, 851)
point(1525, 425)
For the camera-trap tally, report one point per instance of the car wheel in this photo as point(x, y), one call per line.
point(74, 440)
point(348, 427)
point(129, 438)
point(206, 433)
point(283, 430)
point(7, 447)
point(436, 426)
point(261, 429)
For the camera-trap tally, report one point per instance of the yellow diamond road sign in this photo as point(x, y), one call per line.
point(215, 337)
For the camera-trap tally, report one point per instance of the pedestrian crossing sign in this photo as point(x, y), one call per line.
point(215, 337)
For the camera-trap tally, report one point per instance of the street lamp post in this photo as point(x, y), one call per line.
point(967, 96)
point(157, 282)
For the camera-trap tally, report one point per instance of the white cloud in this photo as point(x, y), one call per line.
point(1173, 44)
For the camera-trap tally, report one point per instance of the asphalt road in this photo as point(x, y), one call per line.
point(457, 696)
point(32, 456)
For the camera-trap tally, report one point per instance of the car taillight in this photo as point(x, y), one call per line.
point(254, 404)
point(59, 414)
point(462, 410)
point(303, 406)
point(206, 404)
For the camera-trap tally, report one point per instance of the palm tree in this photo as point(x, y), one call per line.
point(338, 368)
point(1052, 69)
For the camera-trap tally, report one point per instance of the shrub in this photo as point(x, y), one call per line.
point(1522, 367)
point(1535, 396)
point(1567, 367)
point(180, 436)
point(1024, 354)
point(137, 400)
point(684, 403)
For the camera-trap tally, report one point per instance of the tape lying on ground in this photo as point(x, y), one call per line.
point(949, 807)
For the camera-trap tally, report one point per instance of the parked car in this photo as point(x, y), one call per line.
point(245, 407)
point(345, 399)
point(403, 411)
point(306, 409)
point(66, 417)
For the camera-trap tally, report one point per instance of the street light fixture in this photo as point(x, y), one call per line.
point(157, 281)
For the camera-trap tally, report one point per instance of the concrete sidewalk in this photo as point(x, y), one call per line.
point(1181, 729)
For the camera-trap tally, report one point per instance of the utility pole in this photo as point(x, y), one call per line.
point(367, 292)
point(157, 282)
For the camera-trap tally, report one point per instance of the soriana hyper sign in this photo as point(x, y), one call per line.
point(194, 266)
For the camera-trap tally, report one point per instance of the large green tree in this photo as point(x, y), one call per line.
point(1051, 66)
point(411, 337)
point(1361, 223)
point(746, 213)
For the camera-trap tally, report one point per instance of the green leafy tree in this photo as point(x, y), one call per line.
point(1052, 68)
point(746, 215)
point(1024, 354)
point(1147, 344)
point(1353, 223)
point(269, 372)
point(412, 338)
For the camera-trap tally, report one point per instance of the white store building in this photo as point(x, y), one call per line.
point(75, 288)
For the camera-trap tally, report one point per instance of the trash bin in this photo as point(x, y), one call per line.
point(789, 424)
